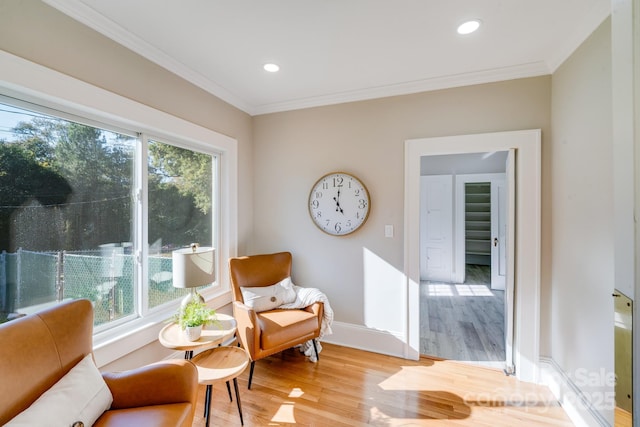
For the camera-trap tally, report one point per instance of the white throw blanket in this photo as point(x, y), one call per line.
point(304, 298)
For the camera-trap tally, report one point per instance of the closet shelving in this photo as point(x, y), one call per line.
point(478, 222)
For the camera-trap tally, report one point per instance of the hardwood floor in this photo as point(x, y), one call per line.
point(350, 387)
point(463, 321)
point(622, 418)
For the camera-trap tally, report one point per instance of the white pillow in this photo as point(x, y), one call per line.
point(263, 298)
point(81, 395)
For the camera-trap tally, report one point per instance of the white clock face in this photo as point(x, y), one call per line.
point(339, 203)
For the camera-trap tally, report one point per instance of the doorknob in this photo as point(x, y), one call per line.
point(495, 241)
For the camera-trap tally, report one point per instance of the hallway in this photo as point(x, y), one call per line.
point(463, 321)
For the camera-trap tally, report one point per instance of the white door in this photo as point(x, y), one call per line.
point(498, 233)
point(436, 227)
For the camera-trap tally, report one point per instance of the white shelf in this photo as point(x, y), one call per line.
point(478, 219)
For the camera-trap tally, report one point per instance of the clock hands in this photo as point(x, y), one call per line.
point(337, 200)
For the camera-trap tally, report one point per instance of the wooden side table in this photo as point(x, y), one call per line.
point(220, 364)
point(171, 336)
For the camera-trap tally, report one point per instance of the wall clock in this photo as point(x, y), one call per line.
point(339, 203)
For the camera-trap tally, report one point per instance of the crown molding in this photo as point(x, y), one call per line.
point(79, 11)
point(444, 82)
point(98, 22)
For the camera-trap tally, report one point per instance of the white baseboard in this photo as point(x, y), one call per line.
point(363, 338)
point(579, 409)
point(355, 336)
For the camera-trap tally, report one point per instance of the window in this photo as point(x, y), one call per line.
point(180, 183)
point(24, 80)
point(77, 198)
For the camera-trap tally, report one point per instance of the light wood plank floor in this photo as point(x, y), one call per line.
point(349, 387)
point(463, 321)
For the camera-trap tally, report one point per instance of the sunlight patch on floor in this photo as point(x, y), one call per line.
point(473, 290)
point(285, 414)
point(379, 418)
point(296, 392)
point(408, 378)
point(463, 394)
point(442, 290)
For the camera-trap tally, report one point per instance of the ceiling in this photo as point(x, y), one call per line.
point(333, 51)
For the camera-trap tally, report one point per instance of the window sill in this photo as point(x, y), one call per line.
point(115, 344)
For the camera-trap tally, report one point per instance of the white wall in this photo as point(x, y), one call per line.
point(582, 238)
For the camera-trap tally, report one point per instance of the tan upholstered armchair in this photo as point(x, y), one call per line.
point(263, 333)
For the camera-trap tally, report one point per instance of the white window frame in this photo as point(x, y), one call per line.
point(25, 80)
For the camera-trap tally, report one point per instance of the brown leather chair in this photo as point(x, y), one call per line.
point(268, 332)
point(38, 350)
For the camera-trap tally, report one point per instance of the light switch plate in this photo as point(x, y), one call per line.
point(388, 231)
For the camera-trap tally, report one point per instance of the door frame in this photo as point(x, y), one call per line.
point(527, 148)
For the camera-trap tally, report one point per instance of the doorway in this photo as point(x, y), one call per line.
point(482, 219)
point(463, 212)
point(526, 234)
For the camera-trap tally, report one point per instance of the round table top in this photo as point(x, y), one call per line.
point(171, 336)
point(220, 364)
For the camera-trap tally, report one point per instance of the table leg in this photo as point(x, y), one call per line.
point(207, 403)
point(229, 391)
point(235, 385)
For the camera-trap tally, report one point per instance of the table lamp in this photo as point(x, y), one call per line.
point(193, 267)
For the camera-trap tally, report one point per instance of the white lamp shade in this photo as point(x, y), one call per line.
point(193, 267)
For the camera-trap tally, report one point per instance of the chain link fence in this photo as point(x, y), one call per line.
point(106, 277)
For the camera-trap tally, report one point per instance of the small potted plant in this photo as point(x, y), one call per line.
point(192, 317)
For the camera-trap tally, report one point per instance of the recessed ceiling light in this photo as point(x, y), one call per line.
point(272, 68)
point(469, 26)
